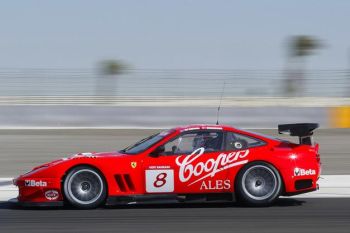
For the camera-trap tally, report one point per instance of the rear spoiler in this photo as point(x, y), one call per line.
point(303, 130)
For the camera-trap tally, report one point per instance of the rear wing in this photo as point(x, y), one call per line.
point(303, 130)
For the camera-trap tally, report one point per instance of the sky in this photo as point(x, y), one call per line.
point(170, 34)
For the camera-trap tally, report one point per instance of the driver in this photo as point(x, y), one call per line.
point(201, 140)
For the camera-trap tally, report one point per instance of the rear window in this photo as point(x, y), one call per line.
point(235, 141)
point(265, 136)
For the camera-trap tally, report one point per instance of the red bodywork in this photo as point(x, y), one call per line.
point(208, 172)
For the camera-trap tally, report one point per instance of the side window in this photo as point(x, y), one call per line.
point(236, 141)
point(190, 141)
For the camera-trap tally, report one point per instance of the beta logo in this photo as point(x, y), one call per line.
point(51, 195)
point(303, 172)
point(33, 183)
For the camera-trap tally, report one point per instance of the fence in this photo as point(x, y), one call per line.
point(156, 82)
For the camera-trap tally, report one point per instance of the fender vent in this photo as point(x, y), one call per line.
point(128, 181)
point(124, 182)
point(120, 182)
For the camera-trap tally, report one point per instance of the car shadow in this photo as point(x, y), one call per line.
point(282, 202)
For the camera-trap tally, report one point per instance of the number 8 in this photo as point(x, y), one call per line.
point(160, 180)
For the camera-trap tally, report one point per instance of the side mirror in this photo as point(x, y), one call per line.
point(157, 151)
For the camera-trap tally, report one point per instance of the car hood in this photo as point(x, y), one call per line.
point(97, 154)
point(79, 156)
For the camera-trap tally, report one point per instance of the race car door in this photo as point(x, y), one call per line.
point(187, 164)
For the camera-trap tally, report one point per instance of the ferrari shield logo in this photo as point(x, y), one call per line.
point(133, 164)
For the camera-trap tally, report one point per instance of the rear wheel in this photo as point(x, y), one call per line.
point(85, 188)
point(258, 184)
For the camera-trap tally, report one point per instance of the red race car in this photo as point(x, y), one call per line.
point(185, 164)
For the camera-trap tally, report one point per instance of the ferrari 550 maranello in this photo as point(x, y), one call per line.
point(196, 163)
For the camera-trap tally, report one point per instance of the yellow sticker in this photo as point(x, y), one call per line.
point(133, 164)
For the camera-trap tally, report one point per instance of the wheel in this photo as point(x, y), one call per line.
point(258, 184)
point(85, 188)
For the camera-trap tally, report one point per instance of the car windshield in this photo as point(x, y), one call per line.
point(145, 143)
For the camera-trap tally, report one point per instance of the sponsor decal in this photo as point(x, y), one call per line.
point(159, 181)
point(217, 184)
point(213, 127)
point(51, 195)
point(191, 167)
point(133, 164)
point(189, 129)
point(303, 172)
point(159, 167)
point(33, 183)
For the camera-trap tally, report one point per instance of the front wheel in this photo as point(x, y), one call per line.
point(85, 188)
point(258, 184)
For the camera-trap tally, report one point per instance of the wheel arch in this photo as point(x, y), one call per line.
point(63, 177)
point(260, 161)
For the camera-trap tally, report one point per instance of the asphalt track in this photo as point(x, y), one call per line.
point(21, 150)
point(287, 215)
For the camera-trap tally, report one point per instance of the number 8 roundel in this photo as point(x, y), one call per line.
point(159, 181)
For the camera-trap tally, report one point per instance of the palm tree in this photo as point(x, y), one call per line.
point(299, 48)
point(109, 70)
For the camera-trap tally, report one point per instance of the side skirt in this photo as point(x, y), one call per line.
point(169, 198)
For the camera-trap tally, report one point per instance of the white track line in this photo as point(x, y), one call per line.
point(331, 186)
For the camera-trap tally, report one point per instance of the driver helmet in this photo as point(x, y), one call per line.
point(200, 140)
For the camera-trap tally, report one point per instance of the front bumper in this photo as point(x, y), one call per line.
point(38, 190)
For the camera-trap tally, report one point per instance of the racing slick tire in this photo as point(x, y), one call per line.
point(85, 187)
point(258, 184)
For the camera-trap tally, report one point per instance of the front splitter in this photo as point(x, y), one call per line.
point(35, 204)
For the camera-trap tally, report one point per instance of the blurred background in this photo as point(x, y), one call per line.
point(148, 65)
point(92, 76)
point(163, 63)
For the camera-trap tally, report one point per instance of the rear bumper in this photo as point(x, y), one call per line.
point(300, 192)
point(300, 186)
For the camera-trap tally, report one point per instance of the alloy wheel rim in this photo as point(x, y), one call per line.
point(259, 182)
point(85, 186)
